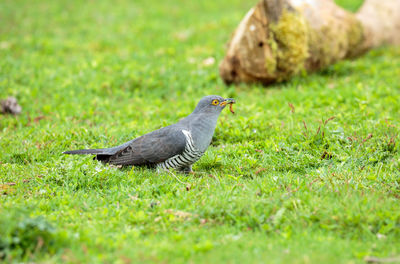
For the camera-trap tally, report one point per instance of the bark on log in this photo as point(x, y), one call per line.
point(280, 38)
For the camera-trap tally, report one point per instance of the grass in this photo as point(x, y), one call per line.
point(306, 171)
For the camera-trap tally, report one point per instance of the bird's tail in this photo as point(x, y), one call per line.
point(86, 151)
point(101, 154)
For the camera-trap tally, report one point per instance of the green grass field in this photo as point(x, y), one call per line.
point(305, 172)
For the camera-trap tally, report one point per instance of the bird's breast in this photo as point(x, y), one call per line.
point(190, 155)
point(202, 131)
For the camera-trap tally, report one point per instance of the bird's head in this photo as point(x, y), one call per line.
point(213, 104)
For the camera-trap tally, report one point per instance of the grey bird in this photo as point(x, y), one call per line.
point(176, 146)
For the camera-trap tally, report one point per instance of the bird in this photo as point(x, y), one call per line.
point(176, 146)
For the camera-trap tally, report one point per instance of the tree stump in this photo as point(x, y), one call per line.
point(278, 39)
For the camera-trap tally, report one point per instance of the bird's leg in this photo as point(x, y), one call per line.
point(187, 170)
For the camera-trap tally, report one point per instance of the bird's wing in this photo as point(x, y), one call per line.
point(151, 148)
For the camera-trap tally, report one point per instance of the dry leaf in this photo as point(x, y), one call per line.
point(10, 106)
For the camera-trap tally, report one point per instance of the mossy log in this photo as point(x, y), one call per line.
point(280, 38)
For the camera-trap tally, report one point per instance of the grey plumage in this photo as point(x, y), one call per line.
point(176, 146)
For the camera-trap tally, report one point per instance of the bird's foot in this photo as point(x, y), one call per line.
point(187, 170)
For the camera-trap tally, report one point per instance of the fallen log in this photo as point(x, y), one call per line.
point(278, 39)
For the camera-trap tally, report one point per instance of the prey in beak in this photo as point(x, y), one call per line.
point(229, 101)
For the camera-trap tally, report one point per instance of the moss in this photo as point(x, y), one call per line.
point(356, 38)
point(270, 61)
point(291, 41)
point(324, 46)
point(296, 45)
point(334, 42)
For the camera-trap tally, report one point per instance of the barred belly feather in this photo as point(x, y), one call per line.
point(189, 156)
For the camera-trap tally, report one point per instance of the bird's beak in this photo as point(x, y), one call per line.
point(227, 101)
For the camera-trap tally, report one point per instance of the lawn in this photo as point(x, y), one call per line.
point(306, 171)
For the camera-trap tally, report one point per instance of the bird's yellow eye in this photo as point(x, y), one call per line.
point(215, 102)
